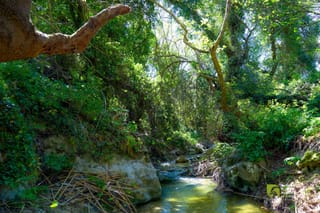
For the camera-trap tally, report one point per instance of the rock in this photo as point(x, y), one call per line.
point(170, 175)
point(138, 172)
point(182, 159)
point(243, 176)
point(58, 144)
point(197, 149)
point(10, 193)
point(310, 160)
point(171, 171)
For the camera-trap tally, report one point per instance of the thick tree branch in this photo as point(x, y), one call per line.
point(216, 43)
point(216, 63)
point(79, 40)
point(20, 40)
point(275, 61)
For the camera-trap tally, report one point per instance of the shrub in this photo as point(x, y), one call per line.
point(57, 162)
point(18, 160)
point(251, 145)
point(313, 127)
point(219, 152)
point(181, 139)
point(281, 125)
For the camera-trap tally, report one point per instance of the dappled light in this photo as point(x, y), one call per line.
point(160, 106)
point(197, 195)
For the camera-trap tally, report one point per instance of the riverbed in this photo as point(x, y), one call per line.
point(197, 195)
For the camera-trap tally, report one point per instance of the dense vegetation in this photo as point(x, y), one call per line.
point(138, 84)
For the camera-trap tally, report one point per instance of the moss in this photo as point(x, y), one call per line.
point(219, 151)
point(310, 160)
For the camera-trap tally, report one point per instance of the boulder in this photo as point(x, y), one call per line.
point(58, 144)
point(310, 160)
point(243, 176)
point(140, 173)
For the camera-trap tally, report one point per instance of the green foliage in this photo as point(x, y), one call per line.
point(281, 125)
point(314, 101)
point(18, 160)
point(131, 144)
point(291, 160)
point(57, 162)
point(181, 139)
point(313, 127)
point(251, 145)
point(130, 82)
point(219, 151)
point(32, 194)
point(278, 173)
point(32, 104)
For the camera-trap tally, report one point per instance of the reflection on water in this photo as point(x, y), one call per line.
point(197, 195)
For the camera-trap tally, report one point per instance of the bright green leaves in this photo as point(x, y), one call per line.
point(54, 204)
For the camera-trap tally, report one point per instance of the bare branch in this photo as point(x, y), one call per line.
point(183, 26)
point(223, 26)
point(210, 79)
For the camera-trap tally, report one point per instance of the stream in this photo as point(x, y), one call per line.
point(197, 195)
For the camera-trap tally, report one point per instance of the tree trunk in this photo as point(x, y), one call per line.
point(217, 66)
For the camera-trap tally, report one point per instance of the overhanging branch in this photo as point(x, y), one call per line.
point(20, 40)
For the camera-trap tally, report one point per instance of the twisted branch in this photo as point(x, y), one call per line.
point(20, 40)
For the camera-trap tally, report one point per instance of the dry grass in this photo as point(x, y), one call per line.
point(75, 191)
point(104, 192)
point(307, 194)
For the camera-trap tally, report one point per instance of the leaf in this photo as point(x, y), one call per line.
point(54, 204)
point(291, 160)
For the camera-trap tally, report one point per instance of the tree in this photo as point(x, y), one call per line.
point(212, 50)
point(19, 39)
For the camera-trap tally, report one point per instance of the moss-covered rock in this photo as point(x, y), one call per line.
point(243, 176)
point(310, 160)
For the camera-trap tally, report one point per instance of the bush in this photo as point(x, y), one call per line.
point(32, 104)
point(265, 128)
point(313, 127)
point(181, 139)
point(57, 162)
point(281, 125)
point(18, 160)
point(251, 145)
point(219, 152)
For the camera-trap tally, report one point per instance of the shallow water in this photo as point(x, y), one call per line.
point(197, 195)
